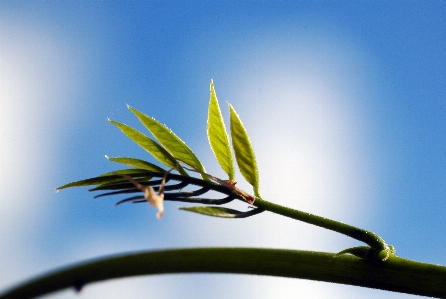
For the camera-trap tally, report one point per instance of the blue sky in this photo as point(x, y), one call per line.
point(344, 103)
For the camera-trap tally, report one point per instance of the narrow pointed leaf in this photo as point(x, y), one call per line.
point(123, 184)
point(244, 153)
point(133, 172)
point(137, 163)
point(218, 138)
point(103, 179)
point(171, 142)
point(89, 182)
point(107, 178)
point(221, 212)
point(213, 211)
point(153, 148)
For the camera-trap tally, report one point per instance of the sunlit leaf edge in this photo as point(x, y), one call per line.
point(217, 135)
point(137, 163)
point(151, 146)
point(244, 153)
point(170, 141)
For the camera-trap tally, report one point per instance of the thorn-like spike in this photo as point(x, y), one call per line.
point(78, 285)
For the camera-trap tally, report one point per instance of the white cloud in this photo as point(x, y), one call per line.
point(36, 78)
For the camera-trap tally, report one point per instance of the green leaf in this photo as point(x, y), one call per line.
point(133, 172)
point(222, 212)
point(244, 153)
point(123, 184)
point(218, 138)
point(137, 163)
point(214, 211)
point(171, 142)
point(89, 182)
point(103, 179)
point(107, 178)
point(153, 148)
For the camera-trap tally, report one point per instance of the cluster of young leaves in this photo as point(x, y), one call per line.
point(172, 152)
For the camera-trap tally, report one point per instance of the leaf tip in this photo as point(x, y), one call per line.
point(130, 108)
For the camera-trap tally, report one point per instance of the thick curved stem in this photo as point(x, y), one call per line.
point(396, 274)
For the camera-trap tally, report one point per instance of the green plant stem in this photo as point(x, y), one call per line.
point(396, 274)
point(370, 238)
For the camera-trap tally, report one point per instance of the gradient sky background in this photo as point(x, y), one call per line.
point(344, 103)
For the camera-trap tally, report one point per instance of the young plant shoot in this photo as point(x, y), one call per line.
point(178, 167)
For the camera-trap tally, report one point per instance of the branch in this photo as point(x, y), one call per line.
point(396, 274)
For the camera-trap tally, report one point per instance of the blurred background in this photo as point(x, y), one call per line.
point(344, 102)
